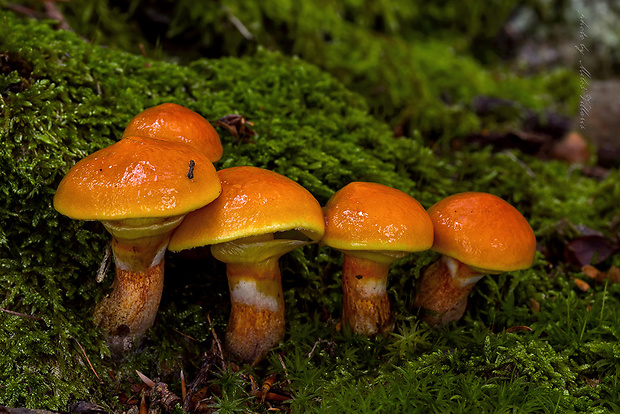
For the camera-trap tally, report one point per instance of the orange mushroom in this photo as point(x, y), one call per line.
point(172, 122)
point(373, 225)
point(260, 216)
point(477, 234)
point(141, 189)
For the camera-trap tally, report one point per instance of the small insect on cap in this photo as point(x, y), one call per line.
point(371, 216)
point(483, 231)
point(137, 178)
point(254, 202)
point(172, 122)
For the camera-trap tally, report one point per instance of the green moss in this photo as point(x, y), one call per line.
point(63, 98)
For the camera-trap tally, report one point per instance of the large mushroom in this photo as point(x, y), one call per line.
point(173, 122)
point(260, 216)
point(140, 189)
point(476, 234)
point(373, 225)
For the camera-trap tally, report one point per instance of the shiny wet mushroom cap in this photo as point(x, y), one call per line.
point(477, 234)
point(172, 122)
point(260, 216)
point(137, 178)
point(141, 190)
point(483, 231)
point(373, 225)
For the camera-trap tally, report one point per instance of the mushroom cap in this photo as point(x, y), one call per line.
point(373, 217)
point(254, 202)
point(172, 122)
point(483, 231)
point(137, 178)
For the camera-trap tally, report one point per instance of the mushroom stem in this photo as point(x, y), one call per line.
point(256, 321)
point(443, 290)
point(129, 310)
point(366, 306)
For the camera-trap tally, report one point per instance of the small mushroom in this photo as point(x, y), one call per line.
point(373, 225)
point(260, 216)
point(172, 122)
point(140, 190)
point(477, 234)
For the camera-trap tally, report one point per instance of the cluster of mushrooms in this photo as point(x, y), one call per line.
point(157, 189)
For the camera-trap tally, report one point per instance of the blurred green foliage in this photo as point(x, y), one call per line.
point(63, 98)
point(413, 62)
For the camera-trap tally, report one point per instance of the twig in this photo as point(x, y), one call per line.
point(329, 348)
point(54, 13)
point(237, 23)
point(513, 157)
point(266, 387)
point(87, 359)
point(316, 343)
point(105, 263)
point(185, 335)
point(36, 318)
point(518, 328)
point(285, 370)
point(218, 343)
point(200, 379)
point(160, 393)
point(24, 10)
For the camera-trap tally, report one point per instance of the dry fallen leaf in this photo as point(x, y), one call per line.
point(591, 271)
point(518, 328)
point(613, 274)
point(582, 285)
point(588, 249)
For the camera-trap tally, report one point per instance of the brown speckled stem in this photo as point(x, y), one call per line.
point(366, 306)
point(443, 290)
point(256, 321)
point(129, 310)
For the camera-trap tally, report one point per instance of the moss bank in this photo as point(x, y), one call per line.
point(63, 98)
